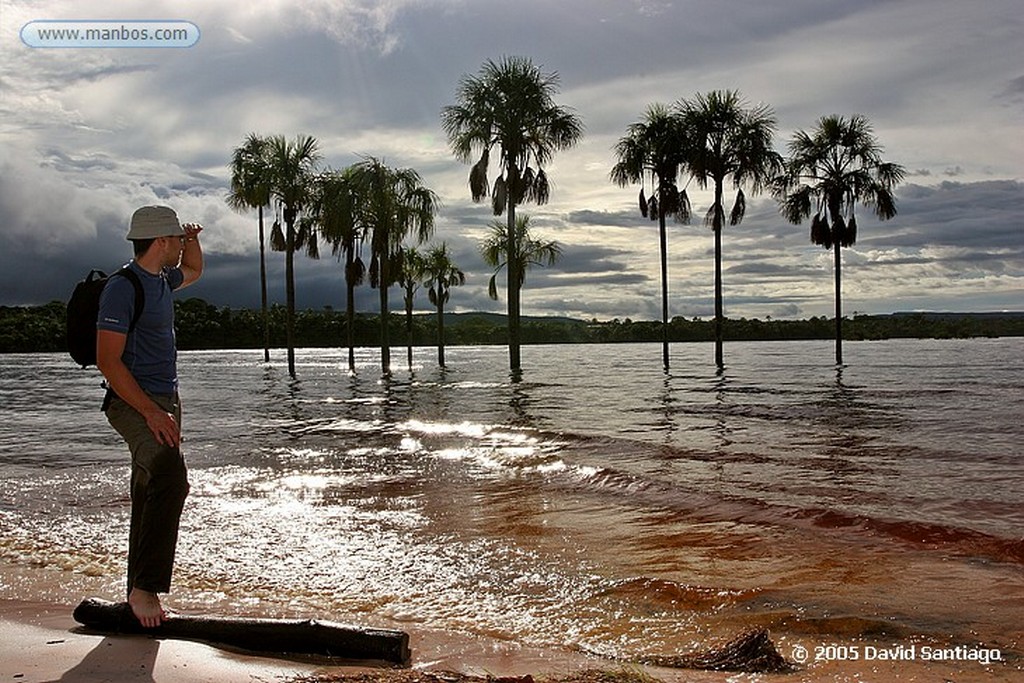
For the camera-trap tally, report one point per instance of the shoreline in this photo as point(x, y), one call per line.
point(40, 642)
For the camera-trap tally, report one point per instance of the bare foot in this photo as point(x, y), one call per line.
point(146, 607)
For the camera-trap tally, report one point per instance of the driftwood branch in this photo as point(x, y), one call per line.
point(282, 636)
point(750, 652)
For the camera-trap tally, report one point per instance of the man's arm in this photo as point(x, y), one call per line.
point(191, 255)
point(109, 347)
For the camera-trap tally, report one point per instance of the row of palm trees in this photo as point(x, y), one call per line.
point(713, 139)
point(716, 138)
point(508, 109)
point(369, 205)
point(367, 202)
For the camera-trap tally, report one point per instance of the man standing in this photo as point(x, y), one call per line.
point(139, 364)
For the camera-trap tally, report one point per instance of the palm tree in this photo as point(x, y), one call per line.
point(653, 149)
point(727, 140)
point(829, 171)
point(510, 105)
point(291, 174)
point(334, 211)
point(530, 251)
point(393, 203)
point(410, 264)
point(250, 189)
point(441, 275)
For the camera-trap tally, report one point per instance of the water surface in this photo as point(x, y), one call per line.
point(599, 503)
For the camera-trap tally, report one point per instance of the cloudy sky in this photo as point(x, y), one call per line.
point(87, 135)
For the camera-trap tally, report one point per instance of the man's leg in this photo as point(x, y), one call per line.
point(159, 486)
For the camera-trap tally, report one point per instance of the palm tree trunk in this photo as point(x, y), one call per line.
point(664, 279)
point(289, 275)
point(839, 306)
point(440, 326)
point(350, 312)
point(408, 331)
point(385, 336)
point(717, 226)
point(514, 287)
point(263, 292)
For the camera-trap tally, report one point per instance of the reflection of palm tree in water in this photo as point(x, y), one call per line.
point(722, 430)
point(434, 392)
point(519, 401)
point(849, 419)
point(281, 396)
point(667, 422)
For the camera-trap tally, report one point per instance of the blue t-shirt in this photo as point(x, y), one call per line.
point(149, 351)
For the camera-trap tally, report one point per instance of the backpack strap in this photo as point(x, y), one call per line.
point(140, 294)
point(140, 303)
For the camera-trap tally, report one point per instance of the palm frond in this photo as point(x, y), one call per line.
point(643, 203)
point(355, 272)
point(850, 234)
point(478, 177)
point(683, 207)
point(375, 271)
point(524, 188)
point(312, 247)
point(821, 233)
point(739, 209)
point(277, 238)
point(839, 163)
point(715, 216)
point(499, 196)
point(885, 204)
point(541, 188)
point(509, 104)
point(839, 230)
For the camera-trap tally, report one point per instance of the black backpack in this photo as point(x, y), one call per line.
point(84, 308)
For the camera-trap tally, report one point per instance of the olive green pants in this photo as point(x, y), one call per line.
point(159, 485)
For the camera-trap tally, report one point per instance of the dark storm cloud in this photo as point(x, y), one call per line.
point(620, 219)
point(985, 215)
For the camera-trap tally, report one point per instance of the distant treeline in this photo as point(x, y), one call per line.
point(203, 326)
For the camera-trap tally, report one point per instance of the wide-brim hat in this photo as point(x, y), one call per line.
point(150, 222)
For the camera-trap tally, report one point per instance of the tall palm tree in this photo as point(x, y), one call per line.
point(291, 172)
point(727, 140)
point(653, 150)
point(410, 264)
point(509, 105)
point(334, 211)
point(250, 189)
point(393, 204)
point(441, 275)
point(530, 251)
point(829, 170)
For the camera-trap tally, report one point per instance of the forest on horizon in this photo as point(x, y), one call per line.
point(203, 326)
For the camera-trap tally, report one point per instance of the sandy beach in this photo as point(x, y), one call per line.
point(41, 642)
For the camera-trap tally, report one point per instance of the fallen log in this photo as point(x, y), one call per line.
point(280, 636)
